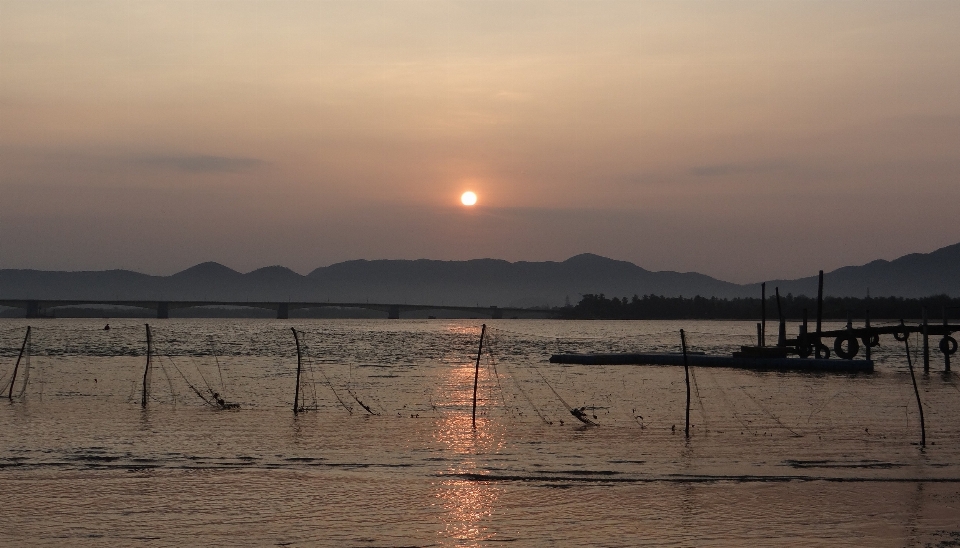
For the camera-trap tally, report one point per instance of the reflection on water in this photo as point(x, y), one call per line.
point(467, 507)
point(466, 504)
point(773, 458)
point(455, 427)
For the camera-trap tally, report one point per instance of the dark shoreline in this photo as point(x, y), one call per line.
point(652, 307)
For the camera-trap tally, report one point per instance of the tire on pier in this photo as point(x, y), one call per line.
point(948, 345)
point(853, 347)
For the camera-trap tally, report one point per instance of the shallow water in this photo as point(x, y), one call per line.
point(773, 459)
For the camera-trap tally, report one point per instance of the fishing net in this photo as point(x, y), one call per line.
point(428, 370)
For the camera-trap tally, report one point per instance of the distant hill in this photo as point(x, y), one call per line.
point(914, 275)
point(482, 282)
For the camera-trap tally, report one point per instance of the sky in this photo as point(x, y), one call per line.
point(746, 140)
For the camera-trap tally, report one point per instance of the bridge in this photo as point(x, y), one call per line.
point(37, 308)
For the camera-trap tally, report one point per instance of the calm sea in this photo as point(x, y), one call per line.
point(387, 454)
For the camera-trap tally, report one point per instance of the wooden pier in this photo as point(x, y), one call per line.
point(846, 345)
point(702, 360)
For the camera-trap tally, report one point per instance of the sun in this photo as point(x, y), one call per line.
point(468, 198)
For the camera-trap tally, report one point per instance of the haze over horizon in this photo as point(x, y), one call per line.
point(743, 140)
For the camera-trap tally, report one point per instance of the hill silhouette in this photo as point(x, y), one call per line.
point(478, 282)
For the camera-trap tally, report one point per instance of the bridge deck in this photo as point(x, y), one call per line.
point(35, 307)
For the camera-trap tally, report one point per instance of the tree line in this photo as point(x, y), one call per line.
point(658, 307)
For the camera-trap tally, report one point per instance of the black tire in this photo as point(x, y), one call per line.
point(948, 345)
point(872, 340)
point(853, 347)
point(901, 334)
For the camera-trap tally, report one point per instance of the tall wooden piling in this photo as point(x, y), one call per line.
point(144, 394)
point(686, 374)
point(476, 373)
point(926, 342)
point(16, 367)
point(296, 394)
point(916, 391)
point(782, 327)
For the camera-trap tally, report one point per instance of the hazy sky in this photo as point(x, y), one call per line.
point(745, 140)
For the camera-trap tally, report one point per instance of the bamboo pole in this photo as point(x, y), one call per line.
point(686, 373)
point(476, 374)
point(916, 391)
point(146, 369)
point(926, 342)
point(296, 394)
point(23, 348)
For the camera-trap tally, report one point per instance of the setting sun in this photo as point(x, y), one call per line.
point(468, 198)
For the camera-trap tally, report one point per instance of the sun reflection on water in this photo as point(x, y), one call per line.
point(467, 505)
point(467, 508)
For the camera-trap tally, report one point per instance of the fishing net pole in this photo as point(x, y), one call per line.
point(21, 369)
point(213, 349)
point(300, 398)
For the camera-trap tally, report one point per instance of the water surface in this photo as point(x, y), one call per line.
point(773, 459)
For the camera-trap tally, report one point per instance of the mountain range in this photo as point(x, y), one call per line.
point(479, 282)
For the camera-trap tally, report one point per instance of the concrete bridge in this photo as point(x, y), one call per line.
point(36, 308)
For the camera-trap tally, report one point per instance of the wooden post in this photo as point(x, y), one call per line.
point(926, 342)
point(686, 373)
point(146, 371)
point(476, 374)
point(23, 348)
point(763, 314)
point(759, 334)
point(819, 314)
point(296, 394)
point(946, 333)
point(916, 391)
point(782, 330)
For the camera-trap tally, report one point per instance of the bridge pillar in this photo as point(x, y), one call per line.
point(163, 310)
point(394, 313)
point(33, 309)
point(496, 313)
point(283, 311)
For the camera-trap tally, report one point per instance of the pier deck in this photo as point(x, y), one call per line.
point(702, 360)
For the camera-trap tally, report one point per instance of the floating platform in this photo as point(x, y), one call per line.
point(702, 360)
